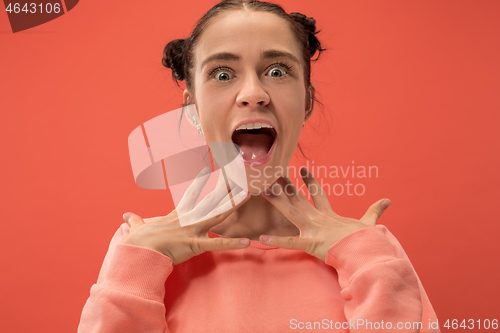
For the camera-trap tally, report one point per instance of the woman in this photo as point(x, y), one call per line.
point(275, 262)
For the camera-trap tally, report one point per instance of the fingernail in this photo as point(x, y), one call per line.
point(242, 194)
point(303, 171)
point(245, 242)
point(386, 203)
point(126, 217)
point(265, 239)
point(206, 170)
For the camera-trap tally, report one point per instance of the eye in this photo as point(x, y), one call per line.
point(223, 76)
point(276, 72)
point(279, 70)
point(221, 73)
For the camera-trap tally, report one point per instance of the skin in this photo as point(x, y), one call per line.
point(245, 89)
point(250, 88)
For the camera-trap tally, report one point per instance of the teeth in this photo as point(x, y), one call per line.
point(250, 126)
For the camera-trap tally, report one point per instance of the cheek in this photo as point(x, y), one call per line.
point(209, 99)
point(215, 98)
point(292, 110)
point(211, 107)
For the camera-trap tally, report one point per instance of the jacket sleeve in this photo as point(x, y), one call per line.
point(381, 289)
point(129, 294)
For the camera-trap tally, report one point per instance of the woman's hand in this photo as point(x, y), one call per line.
point(320, 227)
point(166, 235)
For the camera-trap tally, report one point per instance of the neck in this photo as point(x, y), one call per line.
point(256, 217)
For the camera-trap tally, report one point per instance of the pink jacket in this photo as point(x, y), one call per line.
point(365, 284)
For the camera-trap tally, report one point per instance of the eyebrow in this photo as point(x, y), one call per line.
point(269, 54)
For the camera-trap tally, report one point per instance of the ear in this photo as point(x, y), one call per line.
point(192, 114)
point(310, 102)
point(185, 97)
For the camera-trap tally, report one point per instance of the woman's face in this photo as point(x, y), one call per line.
point(248, 70)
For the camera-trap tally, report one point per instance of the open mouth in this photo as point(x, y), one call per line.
point(254, 140)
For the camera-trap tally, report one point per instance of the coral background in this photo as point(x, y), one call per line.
point(411, 87)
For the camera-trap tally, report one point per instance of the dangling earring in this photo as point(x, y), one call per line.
point(198, 126)
point(303, 124)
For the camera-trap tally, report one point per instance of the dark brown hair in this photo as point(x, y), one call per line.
point(178, 54)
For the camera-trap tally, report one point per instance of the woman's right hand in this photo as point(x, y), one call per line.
point(167, 236)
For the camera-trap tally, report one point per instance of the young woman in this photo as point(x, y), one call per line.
point(275, 262)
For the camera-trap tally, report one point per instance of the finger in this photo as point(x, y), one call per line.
point(318, 195)
point(133, 220)
point(375, 211)
point(221, 213)
point(276, 189)
point(221, 244)
point(231, 200)
point(193, 191)
point(296, 198)
point(288, 189)
point(291, 212)
point(232, 193)
point(214, 199)
point(289, 243)
point(201, 226)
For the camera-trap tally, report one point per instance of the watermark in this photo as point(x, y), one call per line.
point(24, 15)
point(364, 325)
point(347, 180)
point(471, 324)
point(327, 324)
point(210, 178)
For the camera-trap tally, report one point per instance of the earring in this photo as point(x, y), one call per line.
point(198, 126)
point(303, 124)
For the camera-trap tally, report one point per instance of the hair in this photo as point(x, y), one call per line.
point(178, 54)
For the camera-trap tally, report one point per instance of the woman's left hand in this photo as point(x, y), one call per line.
point(320, 227)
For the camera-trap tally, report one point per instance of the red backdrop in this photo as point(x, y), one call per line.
point(411, 87)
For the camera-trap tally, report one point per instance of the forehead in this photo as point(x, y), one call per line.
point(246, 33)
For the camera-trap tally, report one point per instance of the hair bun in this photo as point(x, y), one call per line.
point(173, 58)
point(308, 23)
point(309, 26)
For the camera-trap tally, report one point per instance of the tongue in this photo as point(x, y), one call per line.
point(253, 146)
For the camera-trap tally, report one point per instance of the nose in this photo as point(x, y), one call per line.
point(252, 93)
